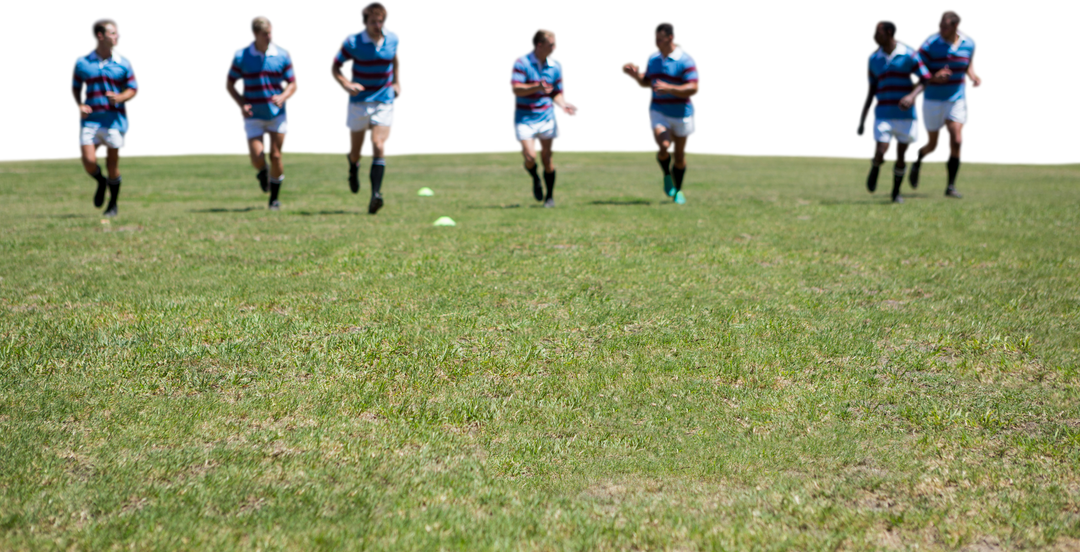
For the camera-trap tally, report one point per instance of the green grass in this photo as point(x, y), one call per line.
point(784, 363)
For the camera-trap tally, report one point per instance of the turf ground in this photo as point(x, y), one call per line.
point(785, 362)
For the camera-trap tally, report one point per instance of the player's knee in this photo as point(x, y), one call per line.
point(275, 156)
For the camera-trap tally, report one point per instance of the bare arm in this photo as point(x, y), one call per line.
point(863, 120)
point(399, 76)
point(353, 88)
point(975, 80)
point(679, 91)
point(528, 89)
point(909, 100)
point(561, 102)
point(635, 73)
point(84, 109)
point(279, 99)
point(245, 108)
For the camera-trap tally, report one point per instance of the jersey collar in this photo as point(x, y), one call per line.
point(900, 50)
point(533, 60)
point(271, 50)
point(367, 39)
point(115, 58)
point(676, 54)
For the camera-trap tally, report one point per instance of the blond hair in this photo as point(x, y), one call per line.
point(260, 24)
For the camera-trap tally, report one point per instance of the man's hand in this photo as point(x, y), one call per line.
point(570, 109)
point(632, 70)
point(977, 83)
point(861, 128)
point(246, 110)
point(397, 90)
point(907, 101)
point(546, 87)
point(112, 96)
point(942, 75)
point(661, 86)
point(277, 100)
point(353, 88)
point(85, 110)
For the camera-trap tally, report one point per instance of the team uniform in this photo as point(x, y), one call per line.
point(946, 101)
point(668, 110)
point(534, 115)
point(372, 67)
point(265, 75)
point(893, 75)
point(108, 123)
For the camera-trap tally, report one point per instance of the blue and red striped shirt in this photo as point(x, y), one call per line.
point(373, 65)
point(100, 76)
point(678, 68)
point(537, 107)
point(937, 54)
point(264, 75)
point(893, 75)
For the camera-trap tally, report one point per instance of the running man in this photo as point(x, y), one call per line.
point(948, 55)
point(110, 83)
point(537, 84)
point(268, 77)
point(372, 90)
point(894, 117)
point(673, 77)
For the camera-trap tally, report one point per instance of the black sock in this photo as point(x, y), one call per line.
point(114, 190)
point(678, 174)
point(954, 167)
point(275, 187)
point(897, 180)
point(378, 167)
point(549, 180)
point(98, 176)
point(532, 170)
point(665, 164)
point(871, 179)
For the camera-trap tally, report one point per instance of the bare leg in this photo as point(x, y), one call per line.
point(545, 155)
point(379, 135)
point(89, 159)
point(956, 132)
point(256, 154)
point(356, 142)
point(880, 148)
point(277, 142)
point(528, 151)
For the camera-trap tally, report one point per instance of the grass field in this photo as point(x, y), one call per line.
point(783, 363)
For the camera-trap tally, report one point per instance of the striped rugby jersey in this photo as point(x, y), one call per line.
point(893, 75)
point(264, 77)
point(937, 53)
point(538, 107)
point(100, 76)
point(678, 68)
point(373, 65)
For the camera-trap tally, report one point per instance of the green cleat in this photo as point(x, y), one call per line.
point(680, 199)
point(669, 186)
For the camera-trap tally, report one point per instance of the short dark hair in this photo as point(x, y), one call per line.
point(889, 28)
point(666, 28)
point(952, 17)
point(542, 36)
point(372, 5)
point(97, 24)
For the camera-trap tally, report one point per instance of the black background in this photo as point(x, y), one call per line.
point(775, 78)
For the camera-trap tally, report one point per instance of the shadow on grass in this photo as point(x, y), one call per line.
point(621, 202)
point(63, 216)
point(324, 212)
point(224, 210)
point(512, 206)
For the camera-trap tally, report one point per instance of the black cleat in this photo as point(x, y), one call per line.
point(264, 180)
point(111, 211)
point(99, 195)
point(871, 179)
point(275, 205)
point(897, 199)
point(538, 189)
point(914, 178)
point(951, 192)
point(354, 176)
point(376, 203)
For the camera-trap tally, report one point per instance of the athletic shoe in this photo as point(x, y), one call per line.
point(669, 186)
point(376, 203)
point(549, 203)
point(871, 179)
point(264, 180)
point(111, 211)
point(99, 195)
point(275, 205)
point(914, 178)
point(951, 192)
point(538, 189)
point(898, 199)
point(680, 199)
point(354, 176)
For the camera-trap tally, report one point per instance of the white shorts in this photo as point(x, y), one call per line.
point(364, 115)
point(255, 128)
point(680, 126)
point(904, 130)
point(544, 130)
point(936, 112)
point(93, 134)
